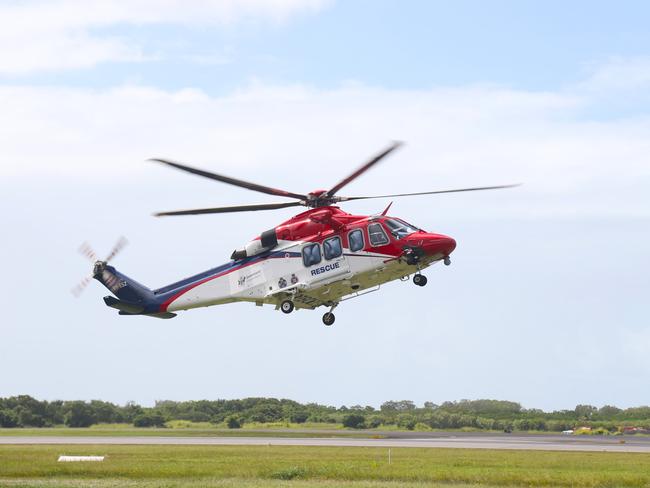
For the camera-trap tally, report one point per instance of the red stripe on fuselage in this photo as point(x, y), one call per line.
point(166, 303)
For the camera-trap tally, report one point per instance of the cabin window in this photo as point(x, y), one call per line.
point(377, 235)
point(332, 248)
point(311, 254)
point(356, 240)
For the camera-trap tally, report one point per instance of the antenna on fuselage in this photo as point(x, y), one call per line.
point(386, 209)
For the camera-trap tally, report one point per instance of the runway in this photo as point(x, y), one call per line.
point(412, 440)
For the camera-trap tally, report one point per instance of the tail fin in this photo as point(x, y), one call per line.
point(120, 285)
point(133, 298)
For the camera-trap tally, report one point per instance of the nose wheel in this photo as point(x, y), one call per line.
point(287, 306)
point(447, 261)
point(419, 280)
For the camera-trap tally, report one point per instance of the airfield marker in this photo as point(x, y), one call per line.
point(69, 459)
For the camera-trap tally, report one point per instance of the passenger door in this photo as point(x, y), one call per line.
point(325, 263)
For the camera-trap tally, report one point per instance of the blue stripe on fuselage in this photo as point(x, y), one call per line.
point(230, 266)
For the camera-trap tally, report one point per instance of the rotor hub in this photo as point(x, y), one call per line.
point(318, 198)
point(99, 268)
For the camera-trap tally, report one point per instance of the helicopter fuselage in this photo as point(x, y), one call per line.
point(318, 258)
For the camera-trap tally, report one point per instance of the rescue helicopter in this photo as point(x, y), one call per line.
point(318, 258)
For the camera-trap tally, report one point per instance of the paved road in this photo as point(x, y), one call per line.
point(472, 441)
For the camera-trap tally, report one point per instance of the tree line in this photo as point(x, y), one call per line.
point(25, 411)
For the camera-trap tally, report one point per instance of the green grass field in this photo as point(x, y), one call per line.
point(193, 466)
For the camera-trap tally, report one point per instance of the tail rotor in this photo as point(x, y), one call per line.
point(98, 265)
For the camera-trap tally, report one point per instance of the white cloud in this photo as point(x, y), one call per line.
point(619, 74)
point(62, 50)
point(58, 35)
point(302, 138)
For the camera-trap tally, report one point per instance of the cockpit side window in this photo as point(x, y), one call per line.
point(399, 228)
point(332, 248)
point(311, 254)
point(377, 235)
point(356, 240)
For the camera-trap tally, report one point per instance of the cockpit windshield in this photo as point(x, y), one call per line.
point(399, 228)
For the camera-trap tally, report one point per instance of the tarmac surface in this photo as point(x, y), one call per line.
point(394, 439)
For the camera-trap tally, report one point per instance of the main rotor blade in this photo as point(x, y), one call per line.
point(345, 199)
point(364, 168)
point(237, 208)
point(232, 181)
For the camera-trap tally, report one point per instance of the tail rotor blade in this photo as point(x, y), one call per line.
point(119, 245)
point(78, 290)
point(87, 251)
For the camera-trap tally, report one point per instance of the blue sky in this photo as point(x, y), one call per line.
point(406, 45)
point(546, 299)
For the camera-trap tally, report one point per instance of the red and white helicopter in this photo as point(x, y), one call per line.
point(320, 257)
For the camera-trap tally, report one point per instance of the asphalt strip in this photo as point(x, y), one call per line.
point(465, 442)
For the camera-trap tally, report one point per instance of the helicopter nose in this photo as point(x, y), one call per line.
point(450, 245)
point(438, 244)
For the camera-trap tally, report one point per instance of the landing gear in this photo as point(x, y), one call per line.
point(287, 306)
point(419, 280)
point(328, 318)
point(447, 261)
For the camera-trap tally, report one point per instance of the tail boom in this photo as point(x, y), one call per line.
point(133, 298)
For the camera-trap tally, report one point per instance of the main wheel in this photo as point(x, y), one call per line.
point(419, 280)
point(328, 318)
point(287, 306)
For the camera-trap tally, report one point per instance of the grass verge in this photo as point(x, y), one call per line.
point(221, 483)
point(317, 466)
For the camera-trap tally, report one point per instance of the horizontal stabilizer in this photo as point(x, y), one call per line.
point(134, 309)
point(123, 306)
point(161, 315)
